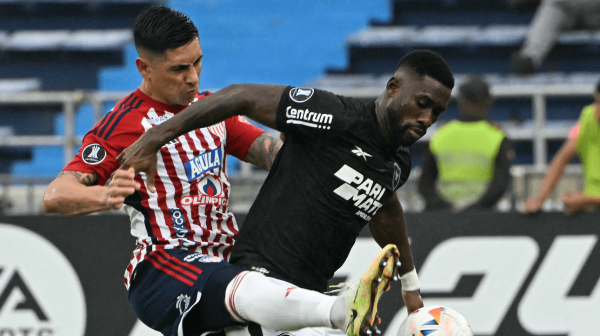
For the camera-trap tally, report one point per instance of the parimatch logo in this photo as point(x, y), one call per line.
point(40, 293)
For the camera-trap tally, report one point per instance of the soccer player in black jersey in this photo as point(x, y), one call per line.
point(342, 161)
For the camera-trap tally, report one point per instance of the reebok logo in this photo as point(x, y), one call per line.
point(359, 152)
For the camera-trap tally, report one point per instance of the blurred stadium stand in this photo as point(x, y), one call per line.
point(60, 50)
point(54, 48)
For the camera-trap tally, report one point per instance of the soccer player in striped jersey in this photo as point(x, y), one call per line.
point(179, 280)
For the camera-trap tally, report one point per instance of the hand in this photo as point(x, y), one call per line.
point(574, 202)
point(142, 158)
point(412, 300)
point(121, 185)
point(531, 206)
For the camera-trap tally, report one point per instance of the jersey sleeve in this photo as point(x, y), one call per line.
point(98, 154)
point(574, 133)
point(314, 113)
point(240, 135)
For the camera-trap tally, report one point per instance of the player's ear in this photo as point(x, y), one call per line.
point(143, 66)
point(393, 86)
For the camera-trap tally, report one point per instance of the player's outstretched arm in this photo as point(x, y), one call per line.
point(389, 227)
point(566, 152)
point(76, 193)
point(256, 101)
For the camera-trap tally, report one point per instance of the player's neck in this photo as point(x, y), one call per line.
point(147, 89)
point(382, 122)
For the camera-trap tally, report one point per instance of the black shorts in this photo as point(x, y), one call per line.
point(178, 292)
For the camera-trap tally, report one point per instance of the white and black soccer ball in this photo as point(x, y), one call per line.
point(435, 321)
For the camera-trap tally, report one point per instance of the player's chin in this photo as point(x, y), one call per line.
point(408, 139)
point(187, 98)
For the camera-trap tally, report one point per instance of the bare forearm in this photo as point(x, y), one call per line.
point(256, 101)
point(73, 198)
point(389, 227)
point(555, 170)
point(554, 174)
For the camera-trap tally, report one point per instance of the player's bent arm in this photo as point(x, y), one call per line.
point(555, 171)
point(76, 193)
point(389, 227)
point(263, 151)
point(73, 193)
point(256, 101)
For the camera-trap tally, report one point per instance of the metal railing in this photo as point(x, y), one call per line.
point(538, 133)
point(69, 100)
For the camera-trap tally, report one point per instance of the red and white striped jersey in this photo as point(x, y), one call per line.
point(190, 207)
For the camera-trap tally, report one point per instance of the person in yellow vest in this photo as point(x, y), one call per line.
point(467, 164)
point(583, 140)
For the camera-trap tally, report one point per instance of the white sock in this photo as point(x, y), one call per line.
point(276, 304)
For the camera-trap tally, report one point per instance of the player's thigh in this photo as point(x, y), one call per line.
point(175, 291)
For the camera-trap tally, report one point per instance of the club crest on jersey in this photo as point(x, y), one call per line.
point(211, 193)
point(364, 192)
point(183, 302)
point(203, 163)
point(217, 130)
point(300, 95)
point(397, 176)
point(93, 154)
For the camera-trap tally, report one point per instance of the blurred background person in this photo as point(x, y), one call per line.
point(467, 164)
point(552, 17)
point(583, 140)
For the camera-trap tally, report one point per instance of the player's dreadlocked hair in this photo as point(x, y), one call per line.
point(428, 63)
point(160, 28)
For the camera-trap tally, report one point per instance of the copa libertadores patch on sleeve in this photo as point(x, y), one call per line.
point(300, 95)
point(93, 154)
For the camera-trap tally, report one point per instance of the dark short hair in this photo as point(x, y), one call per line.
point(428, 63)
point(598, 87)
point(474, 89)
point(160, 28)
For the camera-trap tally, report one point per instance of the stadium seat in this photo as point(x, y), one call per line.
point(20, 84)
point(30, 40)
point(434, 36)
point(501, 35)
point(99, 39)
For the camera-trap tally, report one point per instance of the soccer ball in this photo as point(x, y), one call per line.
point(435, 321)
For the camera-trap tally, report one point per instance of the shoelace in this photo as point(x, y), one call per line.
point(342, 286)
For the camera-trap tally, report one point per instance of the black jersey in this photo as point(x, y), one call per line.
point(329, 179)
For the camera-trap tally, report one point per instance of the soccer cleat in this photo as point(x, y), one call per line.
point(363, 295)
